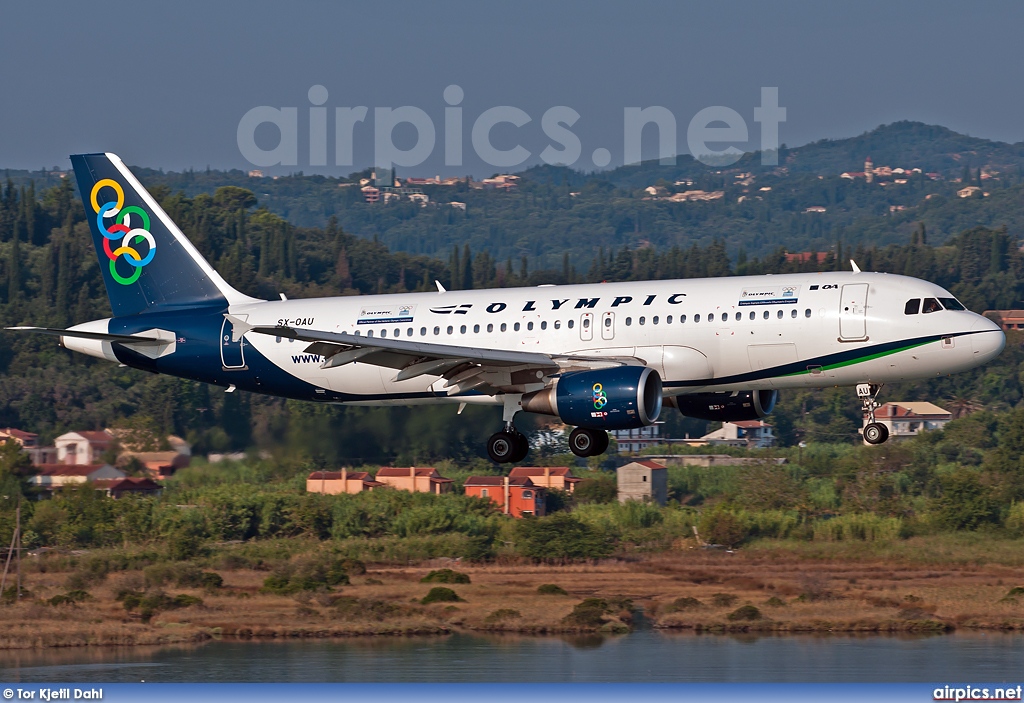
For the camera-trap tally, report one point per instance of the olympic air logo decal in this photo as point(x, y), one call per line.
point(600, 400)
point(131, 226)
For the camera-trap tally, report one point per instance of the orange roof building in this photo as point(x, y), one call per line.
point(515, 496)
point(550, 477)
point(338, 482)
point(415, 479)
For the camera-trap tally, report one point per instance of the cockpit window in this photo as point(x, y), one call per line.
point(912, 307)
point(951, 304)
point(930, 305)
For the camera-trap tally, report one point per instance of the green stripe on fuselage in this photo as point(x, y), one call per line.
point(861, 359)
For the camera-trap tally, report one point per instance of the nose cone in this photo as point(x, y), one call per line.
point(987, 340)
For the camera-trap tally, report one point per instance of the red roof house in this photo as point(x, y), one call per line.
point(515, 496)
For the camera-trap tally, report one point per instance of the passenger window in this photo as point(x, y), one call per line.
point(654, 320)
point(370, 333)
point(586, 323)
point(912, 307)
point(696, 318)
point(571, 323)
point(476, 329)
point(450, 329)
point(490, 328)
point(779, 314)
point(437, 331)
point(807, 312)
point(792, 313)
point(423, 331)
point(642, 320)
point(668, 320)
point(739, 316)
point(544, 325)
point(766, 314)
point(408, 332)
point(629, 321)
point(930, 305)
point(752, 315)
point(383, 333)
point(504, 326)
point(558, 324)
point(529, 325)
point(682, 319)
point(711, 317)
point(516, 327)
point(462, 330)
point(951, 304)
point(607, 322)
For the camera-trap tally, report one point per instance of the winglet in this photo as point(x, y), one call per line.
point(238, 327)
point(440, 288)
point(856, 268)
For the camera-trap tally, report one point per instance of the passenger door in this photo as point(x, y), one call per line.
point(232, 354)
point(587, 326)
point(853, 312)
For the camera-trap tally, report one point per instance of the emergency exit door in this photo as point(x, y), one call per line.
point(853, 311)
point(232, 353)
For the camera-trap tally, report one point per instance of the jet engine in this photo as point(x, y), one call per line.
point(726, 407)
point(620, 398)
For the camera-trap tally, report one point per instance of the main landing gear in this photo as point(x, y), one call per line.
point(874, 432)
point(508, 446)
point(584, 442)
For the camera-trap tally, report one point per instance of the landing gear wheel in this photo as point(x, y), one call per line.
point(502, 447)
point(602, 444)
point(584, 442)
point(876, 433)
point(522, 448)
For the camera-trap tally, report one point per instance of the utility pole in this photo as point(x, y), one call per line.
point(17, 532)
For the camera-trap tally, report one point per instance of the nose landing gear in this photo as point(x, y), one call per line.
point(874, 432)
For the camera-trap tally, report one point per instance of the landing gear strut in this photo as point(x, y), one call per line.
point(510, 445)
point(874, 432)
point(584, 442)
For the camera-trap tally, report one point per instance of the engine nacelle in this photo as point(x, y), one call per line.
point(726, 407)
point(607, 399)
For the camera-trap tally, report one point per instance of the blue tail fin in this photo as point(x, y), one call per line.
point(146, 261)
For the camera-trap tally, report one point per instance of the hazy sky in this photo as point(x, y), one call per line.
point(166, 84)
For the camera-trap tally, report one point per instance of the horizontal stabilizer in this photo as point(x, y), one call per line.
point(101, 336)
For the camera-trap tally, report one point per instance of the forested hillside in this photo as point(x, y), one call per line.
point(49, 276)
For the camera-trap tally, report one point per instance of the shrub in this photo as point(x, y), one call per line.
point(440, 594)
point(723, 600)
point(596, 489)
point(503, 614)
point(588, 614)
point(745, 612)
point(69, 598)
point(562, 536)
point(445, 576)
point(1015, 520)
point(965, 503)
point(211, 581)
point(775, 602)
point(865, 527)
point(550, 589)
point(183, 600)
point(349, 608)
point(149, 604)
point(311, 573)
point(722, 526)
point(685, 603)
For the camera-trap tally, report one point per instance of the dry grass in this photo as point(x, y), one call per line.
point(794, 592)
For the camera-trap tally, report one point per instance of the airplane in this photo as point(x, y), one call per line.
point(599, 357)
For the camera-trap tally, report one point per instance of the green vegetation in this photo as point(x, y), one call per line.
point(445, 576)
point(440, 594)
point(551, 589)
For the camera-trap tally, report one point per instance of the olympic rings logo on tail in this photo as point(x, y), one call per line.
point(600, 399)
point(125, 228)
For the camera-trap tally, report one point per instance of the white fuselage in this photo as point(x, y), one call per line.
point(701, 335)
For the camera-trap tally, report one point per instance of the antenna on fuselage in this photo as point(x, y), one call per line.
point(856, 268)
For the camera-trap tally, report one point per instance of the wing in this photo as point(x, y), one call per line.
point(464, 368)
